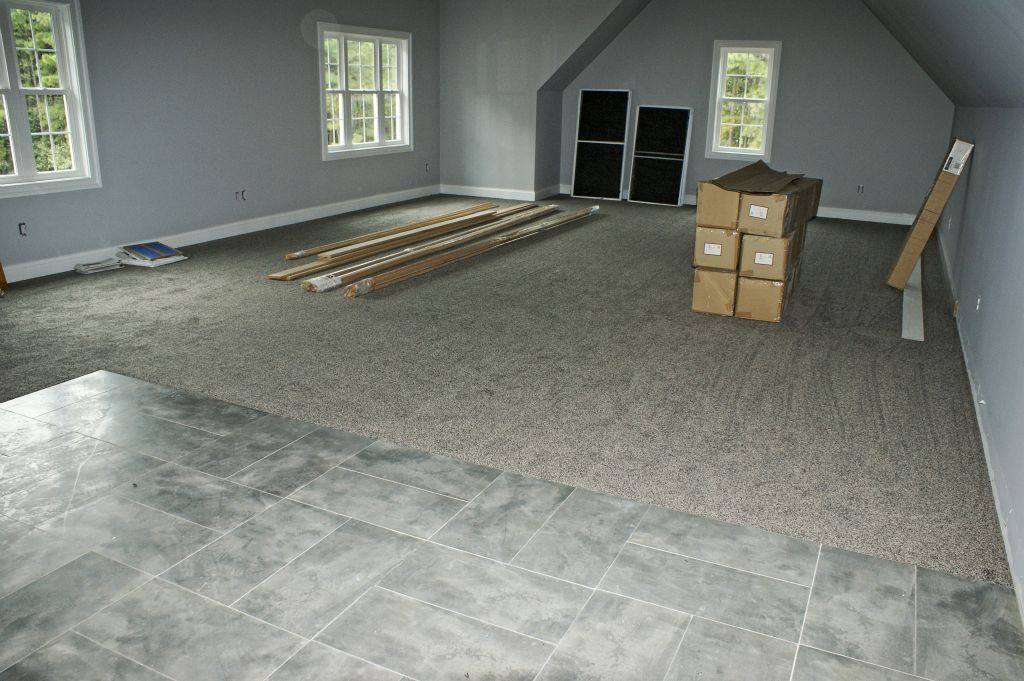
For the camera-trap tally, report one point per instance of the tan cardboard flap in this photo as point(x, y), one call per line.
point(714, 292)
point(756, 177)
point(760, 299)
point(716, 248)
point(717, 207)
point(767, 257)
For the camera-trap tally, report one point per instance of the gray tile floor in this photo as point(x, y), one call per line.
point(151, 534)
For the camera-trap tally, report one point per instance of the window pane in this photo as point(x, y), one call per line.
point(33, 39)
point(389, 66)
point(747, 63)
point(332, 64)
point(22, 28)
point(43, 153)
point(754, 87)
point(6, 157)
point(36, 105)
point(360, 64)
point(62, 152)
point(334, 118)
point(729, 136)
point(58, 113)
point(391, 116)
point(48, 125)
point(751, 137)
point(29, 74)
point(364, 119)
point(42, 29)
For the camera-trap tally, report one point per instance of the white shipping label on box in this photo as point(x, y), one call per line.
point(763, 258)
point(958, 156)
point(712, 249)
point(759, 212)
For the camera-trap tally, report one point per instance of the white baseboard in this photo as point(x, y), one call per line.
point(565, 189)
point(489, 192)
point(547, 192)
point(66, 263)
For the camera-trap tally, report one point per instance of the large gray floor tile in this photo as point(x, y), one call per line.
point(967, 630)
point(761, 604)
point(228, 568)
point(18, 433)
point(245, 446)
point(428, 643)
point(616, 638)
point(114, 417)
point(816, 665)
point(69, 392)
point(27, 553)
point(292, 467)
point(388, 504)
point(504, 517)
point(205, 500)
point(42, 610)
point(716, 652)
point(63, 453)
point(420, 469)
point(863, 607)
point(318, 662)
point(89, 479)
point(582, 538)
point(309, 592)
point(138, 536)
point(515, 599)
point(743, 548)
point(189, 637)
point(73, 657)
point(196, 411)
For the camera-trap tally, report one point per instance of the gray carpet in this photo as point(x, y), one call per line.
point(574, 357)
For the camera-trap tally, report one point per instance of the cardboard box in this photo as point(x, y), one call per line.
point(769, 257)
point(778, 213)
point(714, 292)
point(931, 211)
point(717, 207)
point(762, 299)
point(716, 248)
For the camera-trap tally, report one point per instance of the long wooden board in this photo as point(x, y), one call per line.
point(455, 255)
point(374, 246)
point(314, 250)
point(348, 275)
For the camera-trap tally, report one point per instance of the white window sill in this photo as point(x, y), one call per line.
point(737, 155)
point(39, 187)
point(356, 152)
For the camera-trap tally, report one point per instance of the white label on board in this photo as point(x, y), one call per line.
point(763, 258)
point(712, 249)
point(958, 156)
point(759, 212)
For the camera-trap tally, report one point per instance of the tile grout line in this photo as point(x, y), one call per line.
point(303, 486)
point(679, 646)
point(461, 614)
point(396, 482)
point(722, 565)
point(870, 664)
point(464, 507)
point(542, 525)
point(115, 495)
point(122, 655)
point(289, 562)
point(803, 623)
point(264, 458)
point(914, 661)
point(540, 670)
point(74, 487)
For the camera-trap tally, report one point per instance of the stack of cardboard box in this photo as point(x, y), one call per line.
point(750, 235)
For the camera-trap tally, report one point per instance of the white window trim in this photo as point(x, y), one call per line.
point(81, 125)
point(347, 150)
point(713, 150)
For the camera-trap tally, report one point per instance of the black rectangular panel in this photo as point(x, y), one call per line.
point(598, 170)
point(661, 131)
point(603, 115)
point(656, 180)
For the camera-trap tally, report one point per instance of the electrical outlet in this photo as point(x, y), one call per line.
point(977, 307)
point(241, 195)
point(426, 167)
point(860, 189)
point(23, 228)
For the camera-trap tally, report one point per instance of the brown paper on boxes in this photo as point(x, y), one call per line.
point(716, 248)
point(931, 211)
point(761, 299)
point(714, 292)
point(718, 201)
point(778, 213)
point(768, 257)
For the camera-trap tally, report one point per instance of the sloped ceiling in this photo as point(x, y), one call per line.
point(972, 49)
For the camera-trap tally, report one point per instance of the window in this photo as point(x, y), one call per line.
point(364, 81)
point(743, 87)
point(46, 132)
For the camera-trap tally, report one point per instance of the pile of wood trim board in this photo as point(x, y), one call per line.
point(751, 226)
point(373, 261)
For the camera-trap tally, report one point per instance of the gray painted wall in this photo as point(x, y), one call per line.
point(853, 108)
point(973, 49)
point(985, 246)
point(495, 56)
point(188, 112)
